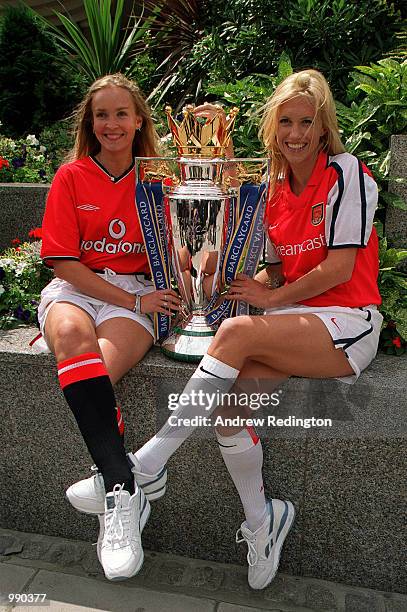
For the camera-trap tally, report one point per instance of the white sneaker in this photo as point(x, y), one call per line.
point(266, 542)
point(88, 495)
point(121, 552)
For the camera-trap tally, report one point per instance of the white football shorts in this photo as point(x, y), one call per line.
point(59, 290)
point(354, 330)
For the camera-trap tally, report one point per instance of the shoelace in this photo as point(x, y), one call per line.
point(252, 556)
point(117, 520)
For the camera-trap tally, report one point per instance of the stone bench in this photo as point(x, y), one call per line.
point(345, 481)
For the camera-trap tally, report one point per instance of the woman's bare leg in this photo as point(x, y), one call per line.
point(123, 343)
point(296, 345)
point(88, 390)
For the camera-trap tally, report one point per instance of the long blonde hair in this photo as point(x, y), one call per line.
point(313, 86)
point(86, 143)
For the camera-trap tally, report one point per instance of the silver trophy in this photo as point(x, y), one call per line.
point(204, 213)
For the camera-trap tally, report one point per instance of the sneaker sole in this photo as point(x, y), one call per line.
point(278, 546)
point(143, 520)
point(152, 490)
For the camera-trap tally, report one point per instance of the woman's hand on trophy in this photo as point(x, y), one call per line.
point(249, 290)
point(209, 111)
point(165, 301)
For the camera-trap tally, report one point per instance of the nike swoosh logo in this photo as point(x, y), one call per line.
point(211, 373)
point(333, 319)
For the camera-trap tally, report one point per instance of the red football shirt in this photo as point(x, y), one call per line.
point(334, 211)
point(91, 217)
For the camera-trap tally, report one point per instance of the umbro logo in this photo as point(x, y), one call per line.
point(88, 207)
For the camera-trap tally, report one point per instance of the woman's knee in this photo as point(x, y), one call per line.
point(70, 337)
point(235, 331)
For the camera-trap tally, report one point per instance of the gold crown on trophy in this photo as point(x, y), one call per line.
point(198, 137)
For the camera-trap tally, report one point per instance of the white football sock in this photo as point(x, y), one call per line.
point(243, 457)
point(211, 378)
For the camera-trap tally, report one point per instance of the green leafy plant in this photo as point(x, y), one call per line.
point(36, 88)
point(335, 35)
point(175, 28)
point(201, 43)
point(378, 109)
point(393, 289)
point(58, 139)
point(391, 341)
point(113, 45)
point(24, 161)
point(249, 95)
point(22, 278)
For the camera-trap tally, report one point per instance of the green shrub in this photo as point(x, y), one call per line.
point(24, 160)
point(379, 109)
point(112, 45)
point(58, 139)
point(249, 95)
point(228, 41)
point(22, 278)
point(35, 88)
point(393, 289)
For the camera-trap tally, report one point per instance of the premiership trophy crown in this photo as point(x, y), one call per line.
point(197, 137)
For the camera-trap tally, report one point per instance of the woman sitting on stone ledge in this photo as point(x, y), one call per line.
point(100, 297)
point(322, 322)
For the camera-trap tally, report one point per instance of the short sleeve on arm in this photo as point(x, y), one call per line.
point(351, 204)
point(271, 256)
point(60, 231)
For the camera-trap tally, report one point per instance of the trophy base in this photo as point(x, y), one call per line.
point(189, 340)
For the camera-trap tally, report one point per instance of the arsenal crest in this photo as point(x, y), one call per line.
point(317, 213)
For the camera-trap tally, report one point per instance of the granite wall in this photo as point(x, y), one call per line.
point(347, 482)
point(396, 219)
point(21, 208)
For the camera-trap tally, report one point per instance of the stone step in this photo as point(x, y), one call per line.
point(346, 481)
point(68, 572)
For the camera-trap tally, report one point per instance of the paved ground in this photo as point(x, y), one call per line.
point(68, 572)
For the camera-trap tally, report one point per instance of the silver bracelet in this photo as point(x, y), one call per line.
point(137, 306)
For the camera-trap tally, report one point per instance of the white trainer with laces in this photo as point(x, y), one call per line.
point(266, 542)
point(121, 551)
point(88, 495)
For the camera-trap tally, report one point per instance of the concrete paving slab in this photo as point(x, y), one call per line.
point(76, 593)
point(14, 578)
point(176, 579)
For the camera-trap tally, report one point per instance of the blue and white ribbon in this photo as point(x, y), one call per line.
point(150, 209)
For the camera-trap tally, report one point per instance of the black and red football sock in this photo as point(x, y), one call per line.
point(87, 389)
